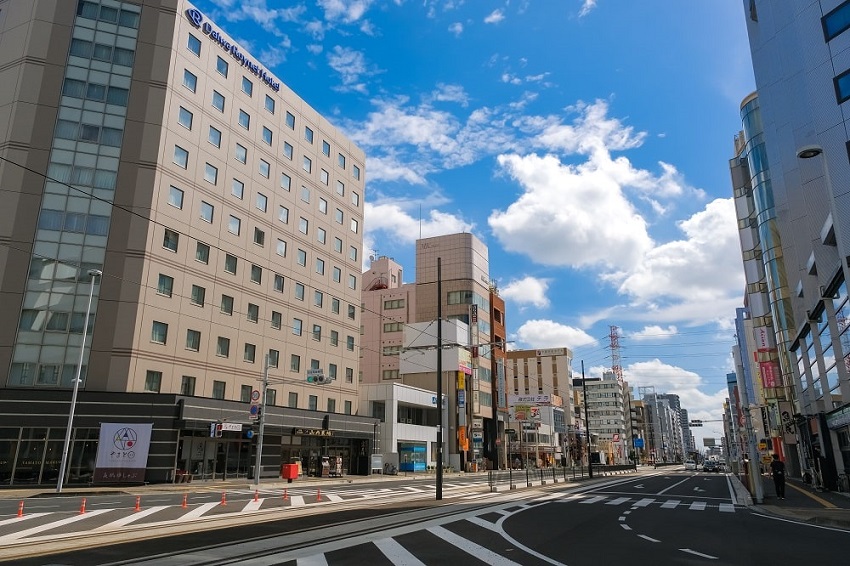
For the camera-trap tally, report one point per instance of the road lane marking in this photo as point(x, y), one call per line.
point(46, 527)
point(726, 508)
point(695, 553)
point(595, 499)
point(622, 519)
point(643, 502)
point(484, 523)
point(24, 518)
point(650, 539)
point(471, 548)
point(334, 498)
point(672, 486)
point(252, 505)
point(618, 501)
point(396, 553)
point(670, 504)
point(697, 506)
point(732, 495)
point(626, 527)
point(124, 521)
point(317, 560)
point(199, 510)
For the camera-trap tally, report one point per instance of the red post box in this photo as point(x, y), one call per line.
point(289, 472)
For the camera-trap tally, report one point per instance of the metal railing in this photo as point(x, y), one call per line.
point(532, 476)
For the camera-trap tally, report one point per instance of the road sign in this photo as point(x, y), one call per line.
point(510, 431)
point(255, 396)
point(254, 412)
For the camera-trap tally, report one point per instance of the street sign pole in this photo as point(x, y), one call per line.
point(262, 422)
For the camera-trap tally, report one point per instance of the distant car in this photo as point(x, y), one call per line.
point(710, 466)
point(690, 465)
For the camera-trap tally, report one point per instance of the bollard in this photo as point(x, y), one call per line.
point(21, 508)
point(83, 506)
point(138, 503)
point(256, 495)
point(224, 498)
point(185, 498)
point(285, 496)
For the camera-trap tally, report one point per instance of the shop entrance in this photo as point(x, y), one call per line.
point(214, 458)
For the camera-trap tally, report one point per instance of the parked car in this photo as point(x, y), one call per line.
point(690, 465)
point(710, 466)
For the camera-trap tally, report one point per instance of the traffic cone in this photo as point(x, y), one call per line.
point(285, 495)
point(138, 503)
point(83, 506)
point(256, 495)
point(185, 498)
point(318, 494)
point(224, 498)
point(21, 508)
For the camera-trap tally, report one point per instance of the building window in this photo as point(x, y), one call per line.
point(193, 340)
point(355, 199)
point(190, 81)
point(308, 134)
point(198, 295)
point(318, 298)
point(202, 252)
point(317, 332)
point(307, 164)
point(194, 45)
point(207, 211)
point(302, 258)
point(324, 177)
point(312, 402)
point(285, 182)
point(283, 214)
point(249, 356)
point(214, 136)
point(271, 397)
point(295, 362)
point(153, 381)
point(326, 148)
point(227, 304)
point(223, 347)
point(338, 216)
point(184, 118)
point(389, 374)
point(170, 240)
point(842, 86)
point(293, 400)
point(253, 312)
point(181, 157)
point(218, 390)
point(836, 22)
point(287, 150)
point(347, 406)
point(230, 264)
point(278, 283)
point(349, 343)
point(187, 385)
point(267, 136)
point(270, 104)
point(355, 226)
point(393, 326)
point(237, 189)
point(334, 340)
point(221, 66)
point(331, 405)
point(218, 101)
point(241, 153)
point(244, 119)
point(352, 312)
point(337, 275)
point(352, 253)
point(349, 375)
point(337, 245)
point(234, 225)
point(305, 193)
point(299, 291)
point(262, 202)
point(321, 235)
point(335, 306)
point(175, 197)
point(303, 225)
point(341, 160)
point(211, 174)
point(281, 248)
point(159, 332)
point(277, 320)
point(320, 266)
point(355, 172)
point(165, 285)
point(256, 274)
point(264, 168)
point(245, 393)
point(274, 358)
point(247, 86)
point(290, 120)
point(259, 237)
point(297, 326)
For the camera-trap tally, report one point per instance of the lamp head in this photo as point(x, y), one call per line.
point(809, 151)
point(95, 272)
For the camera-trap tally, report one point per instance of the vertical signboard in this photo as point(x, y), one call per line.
point(122, 452)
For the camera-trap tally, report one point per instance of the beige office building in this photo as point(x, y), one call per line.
point(224, 214)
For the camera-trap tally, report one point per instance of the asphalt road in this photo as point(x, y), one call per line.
point(670, 517)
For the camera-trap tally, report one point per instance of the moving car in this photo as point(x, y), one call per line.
point(710, 466)
point(690, 465)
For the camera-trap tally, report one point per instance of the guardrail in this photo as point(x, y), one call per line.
point(499, 480)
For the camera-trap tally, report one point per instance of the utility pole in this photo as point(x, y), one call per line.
point(262, 422)
point(586, 422)
point(439, 380)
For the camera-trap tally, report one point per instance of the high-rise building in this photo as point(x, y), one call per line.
point(795, 144)
point(217, 220)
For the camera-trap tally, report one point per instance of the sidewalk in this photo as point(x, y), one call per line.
point(803, 503)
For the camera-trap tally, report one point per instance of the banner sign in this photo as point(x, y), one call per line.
point(122, 452)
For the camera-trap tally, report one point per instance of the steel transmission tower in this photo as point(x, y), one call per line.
point(614, 345)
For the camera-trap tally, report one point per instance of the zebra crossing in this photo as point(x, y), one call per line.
point(591, 499)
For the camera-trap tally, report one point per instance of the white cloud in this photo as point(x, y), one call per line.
point(456, 28)
point(390, 169)
point(528, 290)
point(405, 228)
point(586, 7)
point(345, 11)
point(591, 132)
point(350, 65)
point(495, 17)
point(550, 334)
point(450, 93)
point(653, 332)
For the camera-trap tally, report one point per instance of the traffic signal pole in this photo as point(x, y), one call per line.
point(262, 422)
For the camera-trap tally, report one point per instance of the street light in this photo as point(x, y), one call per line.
point(93, 273)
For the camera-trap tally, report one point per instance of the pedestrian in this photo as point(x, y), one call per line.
point(777, 471)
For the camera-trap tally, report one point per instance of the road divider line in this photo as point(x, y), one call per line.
point(123, 521)
point(695, 553)
point(650, 539)
point(625, 526)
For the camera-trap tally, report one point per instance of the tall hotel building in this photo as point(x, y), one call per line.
point(791, 177)
point(225, 216)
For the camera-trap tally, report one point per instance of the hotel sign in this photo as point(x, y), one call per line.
point(197, 19)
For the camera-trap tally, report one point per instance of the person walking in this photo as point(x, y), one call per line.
point(777, 471)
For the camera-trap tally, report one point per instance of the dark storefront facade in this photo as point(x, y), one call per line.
point(184, 445)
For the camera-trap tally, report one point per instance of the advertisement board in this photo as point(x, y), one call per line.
point(122, 452)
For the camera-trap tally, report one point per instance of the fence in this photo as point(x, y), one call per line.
point(509, 479)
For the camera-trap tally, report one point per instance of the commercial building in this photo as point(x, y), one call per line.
point(151, 161)
point(790, 174)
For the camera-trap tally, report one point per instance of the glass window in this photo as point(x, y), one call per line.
point(352, 282)
point(290, 120)
point(349, 343)
point(207, 211)
point(335, 306)
point(237, 189)
point(842, 86)
point(190, 81)
point(184, 118)
point(267, 136)
point(307, 164)
point(218, 101)
point(303, 225)
point(354, 225)
point(241, 153)
point(293, 400)
point(227, 304)
point(338, 216)
point(198, 295)
point(234, 225)
point(218, 390)
point(321, 235)
point(170, 240)
point(256, 274)
point(283, 214)
point(153, 381)
point(222, 347)
point(349, 375)
point(295, 362)
point(341, 160)
point(281, 248)
point(337, 245)
point(264, 168)
point(340, 188)
point(355, 199)
point(259, 237)
point(187, 385)
point(297, 325)
point(165, 286)
point(299, 291)
point(320, 266)
point(210, 173)
point(247, 86)
point(214, 136)
point(326, 148)
point(181, 157)
point(253, 312)
point(285, 181)
point(245, 395)
point(355, 172)
point(244, 119)
point(270, 104)
point(836, 22)
point(287, 150)
point(324, 177)
point(323, 206)
point(278, 282)
point(230, 263)
point(313, 402)
point(221, 66)
point(202, 252)
point(308, 134)
point(175, 197)
point(337, 275)
point(159, 332)
point(318, 298)
point(302, 258)
point(277, 319)
point(305, 194)
point(274, 360)
point(262, 201)
point(352, 253)
point(334, 338)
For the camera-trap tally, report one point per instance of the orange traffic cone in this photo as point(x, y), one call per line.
point(256, 495)
point(318, 494)
point(83, 506)
point(285, 495)
point(185, 498)
point(224, 498)
point(21, 508)
point(138, 503)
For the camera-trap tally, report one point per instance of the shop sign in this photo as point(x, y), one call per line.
point(122, 452)
point(312, 432)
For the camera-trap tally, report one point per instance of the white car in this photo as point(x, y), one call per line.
point(690, 465)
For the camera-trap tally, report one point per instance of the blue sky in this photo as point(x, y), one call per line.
point(586, 142)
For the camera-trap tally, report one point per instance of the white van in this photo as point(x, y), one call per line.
point(690, 465)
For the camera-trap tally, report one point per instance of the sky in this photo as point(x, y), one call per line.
point(585, 142)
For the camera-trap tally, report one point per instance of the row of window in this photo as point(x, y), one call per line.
point(102, 52)
point(93, 11)
point(76, 222)
point(91, 133)
point(188, 383)
point(78, 175)
point(96, 92)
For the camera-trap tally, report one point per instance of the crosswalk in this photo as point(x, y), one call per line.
point(591, 499)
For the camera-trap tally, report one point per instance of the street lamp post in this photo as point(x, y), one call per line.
point(258, 461)
point(586, 422)
point(93, 273)
point(439, 487)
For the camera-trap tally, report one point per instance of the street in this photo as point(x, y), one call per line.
point(658, 517)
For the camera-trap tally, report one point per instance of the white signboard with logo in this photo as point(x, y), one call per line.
point(122, 452)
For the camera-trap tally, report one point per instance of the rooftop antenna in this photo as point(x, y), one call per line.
point(420, 221)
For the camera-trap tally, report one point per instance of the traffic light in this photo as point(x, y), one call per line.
point(319, 379)
point(218, 430)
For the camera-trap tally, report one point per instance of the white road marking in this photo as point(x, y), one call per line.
point(483, 523)
point(199, 511)
point(316, 560)
point(643, 502)
point(650, 539)
point(396, 553)
point(19, 519)
point(252, 506)
point(672, 486)
point(622, 518)
point(123, 521)
point(727, 508)
point(595, 499)
point(618, 501)
point(694, 552)
point(697, 506)
point(46, 527)
point(471, 548)
point(296, 501)
point(670, 504)
point(334, 498)
point(626, 527)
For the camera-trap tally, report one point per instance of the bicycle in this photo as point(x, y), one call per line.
point(844, 483)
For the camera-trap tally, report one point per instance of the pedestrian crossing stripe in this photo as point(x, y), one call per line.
point(644, 502)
